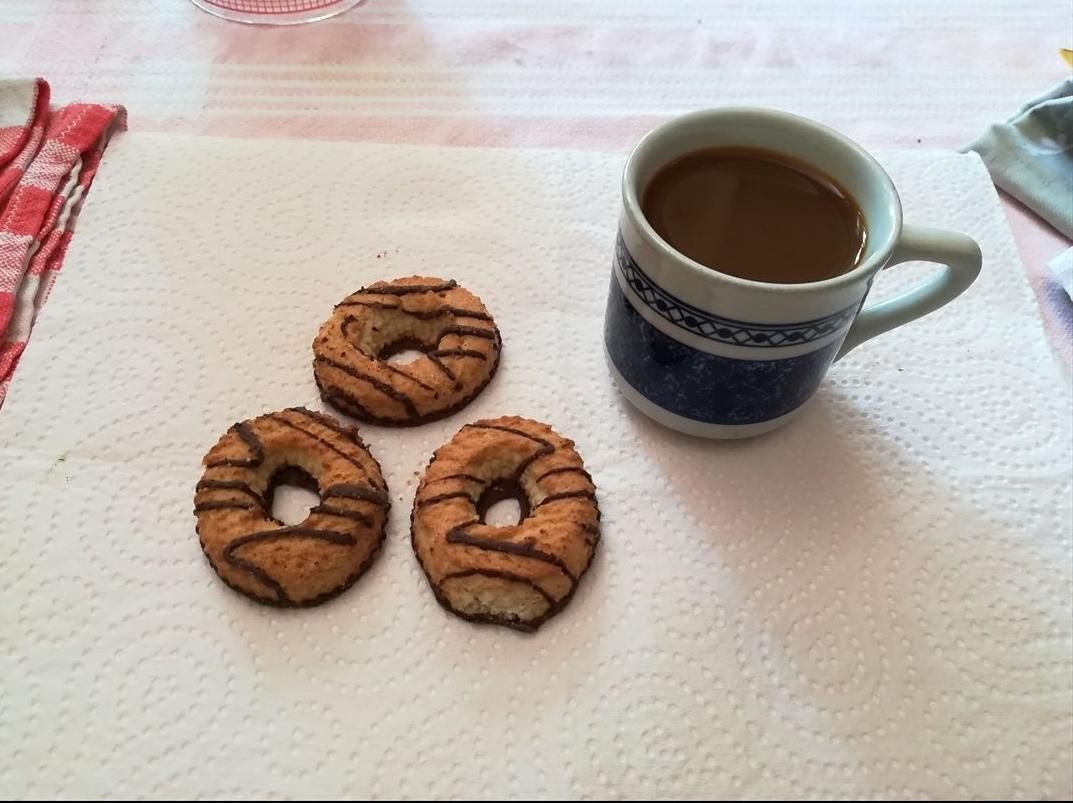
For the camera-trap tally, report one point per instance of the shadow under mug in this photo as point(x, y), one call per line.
point(718, 356)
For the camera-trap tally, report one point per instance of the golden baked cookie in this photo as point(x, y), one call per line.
point(518, 576)
point(303, 564)
point(460, 341)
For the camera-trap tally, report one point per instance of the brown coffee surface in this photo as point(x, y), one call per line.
point(756, 214)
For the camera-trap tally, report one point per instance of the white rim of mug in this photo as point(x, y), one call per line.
point(873, 263)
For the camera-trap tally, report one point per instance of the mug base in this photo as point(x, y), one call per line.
point(688, 426)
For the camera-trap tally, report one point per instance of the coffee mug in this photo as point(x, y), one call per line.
point(719, 356)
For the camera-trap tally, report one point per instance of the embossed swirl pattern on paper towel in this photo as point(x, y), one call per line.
point(873, 601)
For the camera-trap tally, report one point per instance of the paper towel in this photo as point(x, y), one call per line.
point(873, 601)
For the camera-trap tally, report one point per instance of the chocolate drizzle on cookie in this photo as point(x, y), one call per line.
point(385, 388)
point(468, 331)
point(230, 485)
point(343, 512)
point(565, 470)
point(226, 505)
point(401, 372)
point(257, 454)
point(460, 536)
point(363, 492)
point(385, 289)
point(435, 500)
point(510, 576)
point(449, 477)
point(546, 448)
point(480, 355)
point(461, 312)
point(424, 315)
point(287, 533)
point(566, 495)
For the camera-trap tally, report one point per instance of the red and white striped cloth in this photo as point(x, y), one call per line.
point(47, 162)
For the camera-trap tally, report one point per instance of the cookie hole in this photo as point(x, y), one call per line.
point(404, 351)
point(405, 357)
point(291, 493)
point(503, 504)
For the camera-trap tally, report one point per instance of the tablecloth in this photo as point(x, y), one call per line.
point(561, 73)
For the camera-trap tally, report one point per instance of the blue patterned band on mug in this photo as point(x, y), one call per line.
point(705, 387)
point(724, 330)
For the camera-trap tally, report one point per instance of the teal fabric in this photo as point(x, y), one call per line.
point(1030, 155)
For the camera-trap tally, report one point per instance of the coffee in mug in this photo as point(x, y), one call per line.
point(756, 214)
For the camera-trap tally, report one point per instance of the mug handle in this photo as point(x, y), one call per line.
point(958, 254)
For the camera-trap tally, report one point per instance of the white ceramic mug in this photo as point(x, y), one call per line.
point(718, 356)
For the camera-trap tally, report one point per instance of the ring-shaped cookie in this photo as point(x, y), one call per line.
point(460, 341)
point(303, 564)
point(520, 575)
